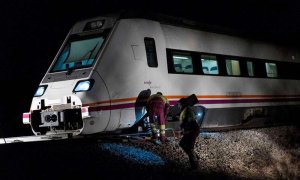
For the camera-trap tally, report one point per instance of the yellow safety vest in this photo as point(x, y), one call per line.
point(187, 112)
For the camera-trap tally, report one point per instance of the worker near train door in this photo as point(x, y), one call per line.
point(158, 106)
point(190, 131)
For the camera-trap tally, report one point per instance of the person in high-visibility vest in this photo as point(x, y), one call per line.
point(190, 131)
point(158, 106)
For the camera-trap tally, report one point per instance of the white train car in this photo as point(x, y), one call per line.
point(108, 66)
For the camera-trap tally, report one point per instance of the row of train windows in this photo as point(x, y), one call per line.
point(186, 62)
point(183, 62)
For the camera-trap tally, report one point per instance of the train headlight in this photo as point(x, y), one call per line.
point(40, 91)
point(84, 85)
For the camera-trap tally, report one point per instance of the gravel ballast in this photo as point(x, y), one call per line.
point(264, 153)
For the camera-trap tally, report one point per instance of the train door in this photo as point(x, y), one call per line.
point(152, 64)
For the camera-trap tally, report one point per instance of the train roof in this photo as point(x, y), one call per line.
point(177, 21)
point(193, 24)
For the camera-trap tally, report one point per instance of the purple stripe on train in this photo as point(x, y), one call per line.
point(214, 101)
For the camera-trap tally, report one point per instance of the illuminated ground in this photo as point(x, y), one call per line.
point(268, 153)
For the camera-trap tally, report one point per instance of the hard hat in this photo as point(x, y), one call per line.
point(159, 93)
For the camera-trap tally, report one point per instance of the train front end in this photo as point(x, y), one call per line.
point(61, 103)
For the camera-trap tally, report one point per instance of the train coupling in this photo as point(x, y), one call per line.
point(51, 116)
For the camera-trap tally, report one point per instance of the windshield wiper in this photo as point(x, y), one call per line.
point(69, 70)
point(92, 51)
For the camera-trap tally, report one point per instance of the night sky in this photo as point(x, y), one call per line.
point(33, 30)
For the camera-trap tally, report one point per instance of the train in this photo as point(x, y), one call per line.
point(108, 66)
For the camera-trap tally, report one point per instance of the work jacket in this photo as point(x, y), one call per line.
point(155, 96)
point(188, 121)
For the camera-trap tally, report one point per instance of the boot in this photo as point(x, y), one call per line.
point(154, 136)
point(194, 165)
point(193, 158)
point(163, 139)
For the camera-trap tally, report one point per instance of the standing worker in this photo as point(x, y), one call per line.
point(190, 131)
point(158, 106)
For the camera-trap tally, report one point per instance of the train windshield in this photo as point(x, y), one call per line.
point(79, 52)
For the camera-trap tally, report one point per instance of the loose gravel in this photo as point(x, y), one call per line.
point(265, 153)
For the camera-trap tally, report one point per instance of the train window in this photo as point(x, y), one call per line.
point(151, 52)
point(78, 53)
point(183, 63)
point(233, 67)
point(271, 70)
point(288, 70)
point(209, 64)
point(250, 68)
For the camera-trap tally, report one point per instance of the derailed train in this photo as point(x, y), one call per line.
point(107, 67)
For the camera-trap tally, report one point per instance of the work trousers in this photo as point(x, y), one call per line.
point(157, 115)
point(187, 143)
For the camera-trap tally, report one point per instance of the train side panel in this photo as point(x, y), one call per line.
point(231, 100)
point(202, 41)
point(126, 73)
